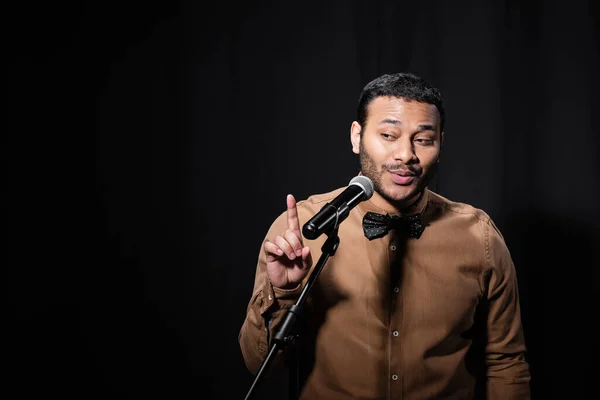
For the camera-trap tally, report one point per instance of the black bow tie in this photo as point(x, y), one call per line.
point(378, 225)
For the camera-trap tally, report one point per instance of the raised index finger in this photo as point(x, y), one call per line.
point(292, 216)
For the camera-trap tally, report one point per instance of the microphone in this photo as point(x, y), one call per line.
point(333, 213)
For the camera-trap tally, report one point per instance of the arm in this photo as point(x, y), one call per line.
point(507, 370)
point(283, 263)
point(265, 312)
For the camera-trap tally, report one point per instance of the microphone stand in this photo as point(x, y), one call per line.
point(284, 337)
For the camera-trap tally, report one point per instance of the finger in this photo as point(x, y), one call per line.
point(292, 216)
point(294, 242)
point(285, 246)
point(306, 257)
point(272, 250)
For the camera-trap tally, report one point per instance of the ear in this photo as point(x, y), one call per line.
point(355, 130)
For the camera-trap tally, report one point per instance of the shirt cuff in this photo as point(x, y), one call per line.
point(283, 298)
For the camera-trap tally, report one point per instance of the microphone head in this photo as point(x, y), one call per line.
point(365, 183)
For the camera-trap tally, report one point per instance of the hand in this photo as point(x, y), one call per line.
point(288, 260)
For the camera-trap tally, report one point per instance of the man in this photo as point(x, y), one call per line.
point(428, 309)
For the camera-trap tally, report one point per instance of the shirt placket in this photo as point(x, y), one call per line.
point(394, 345)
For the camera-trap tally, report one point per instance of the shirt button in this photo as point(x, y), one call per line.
point(395, 333)
point(394, 377)
point(393, 247)
point(396, 289)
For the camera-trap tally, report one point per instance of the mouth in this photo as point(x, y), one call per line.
point(403, 177)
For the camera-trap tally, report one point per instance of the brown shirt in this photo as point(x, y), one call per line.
point(402, 318)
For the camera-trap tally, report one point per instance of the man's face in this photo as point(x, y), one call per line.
point(399, 147)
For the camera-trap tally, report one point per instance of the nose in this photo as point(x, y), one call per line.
point(404, 151)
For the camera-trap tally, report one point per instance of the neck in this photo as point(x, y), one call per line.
point(409, 206)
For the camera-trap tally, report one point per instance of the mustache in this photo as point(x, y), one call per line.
point(394, 167)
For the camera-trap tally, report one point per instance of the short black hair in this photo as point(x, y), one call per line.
point(403, 85)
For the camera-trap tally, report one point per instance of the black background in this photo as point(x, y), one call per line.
point(150, 145)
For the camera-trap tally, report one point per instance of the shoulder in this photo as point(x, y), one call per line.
point(464, 216)
point(456, 209)
point(311, 205)
point(318, 200)
point(306, 208)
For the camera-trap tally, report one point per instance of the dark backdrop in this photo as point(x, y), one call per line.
point(150, 145)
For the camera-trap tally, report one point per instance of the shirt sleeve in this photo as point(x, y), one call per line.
point(266, 309)
point(508, 374)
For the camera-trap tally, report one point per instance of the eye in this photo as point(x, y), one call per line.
point(424, 142)
point(387, 136)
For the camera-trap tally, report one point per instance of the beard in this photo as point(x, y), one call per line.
point(374, 172)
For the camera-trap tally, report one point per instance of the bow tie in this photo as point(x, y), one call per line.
point(378, 225)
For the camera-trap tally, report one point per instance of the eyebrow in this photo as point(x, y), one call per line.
point(390, 121)
point(425, 127)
